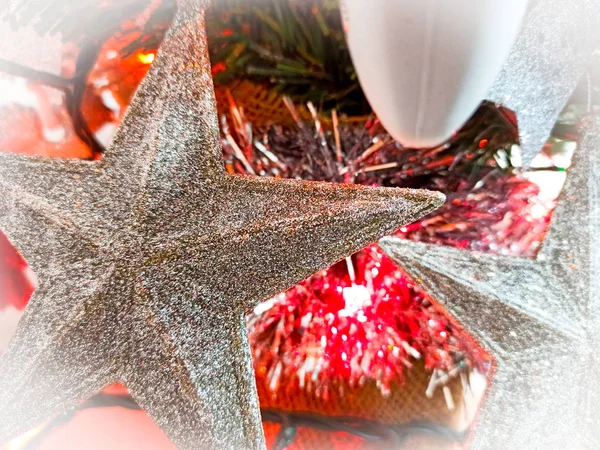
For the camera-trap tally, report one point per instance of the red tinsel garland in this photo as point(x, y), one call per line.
point(330, 332)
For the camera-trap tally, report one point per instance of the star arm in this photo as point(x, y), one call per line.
point(169, 133)
point(569, 244)
point(35, 192)
point(532, 401)
point(49, 379)
point(489, 294)
point(571, 248)
point(43, 234)
point(236, 241)
point(591, 147)
point(192, 373)
point(171, 126)
point(260, 236)
point(508, 306)
point(55, 359)
point(544, 68)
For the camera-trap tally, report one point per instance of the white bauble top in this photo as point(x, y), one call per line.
point(426, 65)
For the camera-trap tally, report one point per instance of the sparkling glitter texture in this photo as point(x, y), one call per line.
point(546, 63)
point(540, 319)
point(148, 259)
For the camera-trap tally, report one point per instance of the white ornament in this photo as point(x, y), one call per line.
point(426, 65)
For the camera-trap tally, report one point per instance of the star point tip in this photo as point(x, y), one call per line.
point(437, 197)
point(420, 201)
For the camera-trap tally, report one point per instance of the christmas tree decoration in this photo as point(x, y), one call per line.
point(426, 66)
point(148, 259)
point(307, 340)
point(546, 64)
point(353, 325)
point(537, 317)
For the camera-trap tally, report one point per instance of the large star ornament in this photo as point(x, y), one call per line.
point(539, 318)
point(148, 259)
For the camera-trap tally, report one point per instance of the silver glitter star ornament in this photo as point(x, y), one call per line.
point(148, 259)
point(547, 62)
point(539, 318)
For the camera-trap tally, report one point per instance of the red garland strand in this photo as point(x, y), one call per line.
point(328, 331)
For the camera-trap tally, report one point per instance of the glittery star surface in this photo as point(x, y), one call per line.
point(547, 62)
point(539, 319)
point(148, 259)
